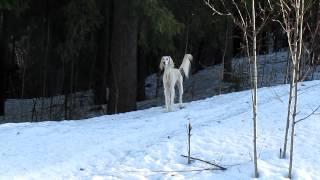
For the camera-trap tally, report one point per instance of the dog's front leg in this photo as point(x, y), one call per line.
point(166, 97)
point(180, 85)
point(172, 94)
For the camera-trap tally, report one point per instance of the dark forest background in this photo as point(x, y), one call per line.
point(59, 47)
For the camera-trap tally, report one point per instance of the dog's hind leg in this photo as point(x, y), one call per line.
point(167, 98)
point(180, 86)
point(171, 100)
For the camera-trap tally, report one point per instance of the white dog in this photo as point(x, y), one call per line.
point(173, 76)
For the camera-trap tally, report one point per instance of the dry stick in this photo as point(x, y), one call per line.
point(193, 158)
point(189, 138)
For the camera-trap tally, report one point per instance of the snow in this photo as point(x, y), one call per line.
point(143, 144)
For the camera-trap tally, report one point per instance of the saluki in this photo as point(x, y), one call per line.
point(173, 76)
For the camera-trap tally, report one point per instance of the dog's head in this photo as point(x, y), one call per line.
point(166, 61)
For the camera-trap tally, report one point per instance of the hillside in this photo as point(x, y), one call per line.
point(147, 144)
point(202, 84)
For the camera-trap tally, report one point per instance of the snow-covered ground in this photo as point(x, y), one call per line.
point(147, 144)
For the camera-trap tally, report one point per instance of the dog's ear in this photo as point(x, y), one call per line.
point(161, 66)
point(171, 63)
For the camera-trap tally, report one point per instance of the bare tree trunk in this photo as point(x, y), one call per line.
point(45, 64)
point(227, 57)
point(34, 115)
point(288, 115)
point(23, 81)
point(114, 99)
point(222, 66)
point(66, 107)
point(71, 87)
point(244, 20)
point(3, 57)
point(65, 88)
point(187, 40)
point(291, 150)
point(103, 55)
point(293, 25)
point(298, 51)
point(286, 77)
point(255, 87)
point(294, 114)
point(142, 68)
point(124, 55)
point(50, 107)
point(46, 49)
point(226, 63)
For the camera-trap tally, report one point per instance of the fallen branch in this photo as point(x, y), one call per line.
point(193, 158)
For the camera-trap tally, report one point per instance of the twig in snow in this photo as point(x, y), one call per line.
point(193, 158)
point(189, 138)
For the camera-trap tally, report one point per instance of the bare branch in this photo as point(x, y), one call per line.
point(243, 22)
point(207, 2)
point(281, 24)
point(270, 5)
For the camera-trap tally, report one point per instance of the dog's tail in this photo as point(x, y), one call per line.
point(186, 64)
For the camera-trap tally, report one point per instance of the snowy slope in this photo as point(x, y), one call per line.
point(144, 144)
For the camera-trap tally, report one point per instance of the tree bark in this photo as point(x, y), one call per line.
point(46, 44)
point(124, 57)
point(227, 75)
point(255, 87)
point(142, 68)
point(103, 55)
point(3, 54)
point(288, 115)
point(299, 8)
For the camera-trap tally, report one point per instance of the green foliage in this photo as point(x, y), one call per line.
point(159, 26)
point(7, 4)
point(17, 5)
